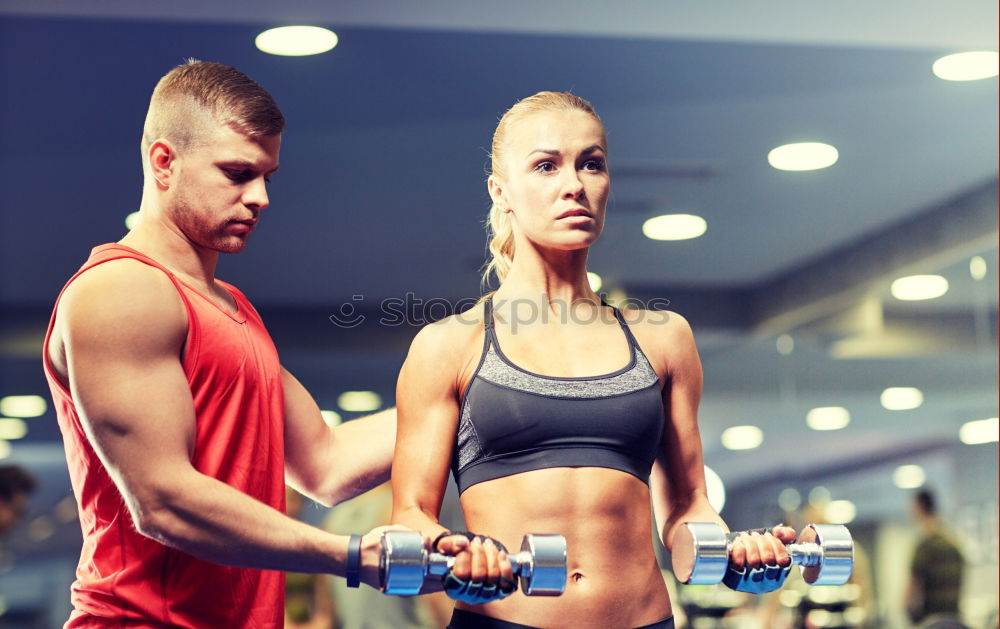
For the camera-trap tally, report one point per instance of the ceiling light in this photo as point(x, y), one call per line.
point(296, 41)
point(819, 496)
point(840, 512)
point(595, 281)
point(977, 267)
point(4, 449)
point(828, 418)
point(789, 499)
point(331, 418)
point(131, 220)
point(674, 227)
point(785, 344)
point(803, 156)
point(66, 509)
point(12, 428)
point(967, 66)
point(908, 476)
point(715, 489)
point(856, 614)
point(742, 437)
point(980, 431)
point(789, 597)
point(902, 398)
point(917, 287)
point(41, 528)
point(22, 406)
point(359, 401)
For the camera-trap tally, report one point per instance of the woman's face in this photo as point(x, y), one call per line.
point(555, 179)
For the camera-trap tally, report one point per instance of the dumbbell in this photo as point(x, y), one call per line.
point(825, 553)
point(405, 563)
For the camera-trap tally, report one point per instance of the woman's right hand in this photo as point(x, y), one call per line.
point(482, 570)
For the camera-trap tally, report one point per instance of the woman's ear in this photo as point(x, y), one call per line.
point(495, 186)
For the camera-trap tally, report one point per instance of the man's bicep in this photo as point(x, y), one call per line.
point(127, 381)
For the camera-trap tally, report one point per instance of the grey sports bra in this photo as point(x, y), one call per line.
point(515, 421)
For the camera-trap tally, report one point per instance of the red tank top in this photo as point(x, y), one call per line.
point(124, 578)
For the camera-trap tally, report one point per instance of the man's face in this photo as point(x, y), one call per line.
point(11, 511)
point(221, 188)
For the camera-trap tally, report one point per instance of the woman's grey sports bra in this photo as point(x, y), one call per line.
point(515, 421)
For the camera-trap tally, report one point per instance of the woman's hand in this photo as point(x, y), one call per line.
point(482, 572)
point(756, 550)
point(759, 562)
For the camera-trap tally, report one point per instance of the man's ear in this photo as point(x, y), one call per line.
point(495, 186)
point(162, 156)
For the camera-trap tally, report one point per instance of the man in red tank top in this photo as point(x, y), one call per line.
point(180, 425)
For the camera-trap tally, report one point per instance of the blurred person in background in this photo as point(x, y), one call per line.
point(308, 603)
point(849, 605)
point(15, 486)
point(935, 585)
point(366, 608)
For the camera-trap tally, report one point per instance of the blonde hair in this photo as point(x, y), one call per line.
point(185, 94)
point(498, 225)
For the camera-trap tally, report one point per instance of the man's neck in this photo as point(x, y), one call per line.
point(930, 524)
point(168, 246)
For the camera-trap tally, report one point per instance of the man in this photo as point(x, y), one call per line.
point(936, 569)
point(15, 485)
point(180, 425)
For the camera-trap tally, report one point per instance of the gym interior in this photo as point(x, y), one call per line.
point(845, 313)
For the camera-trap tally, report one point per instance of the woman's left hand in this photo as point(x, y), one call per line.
point(757, 550)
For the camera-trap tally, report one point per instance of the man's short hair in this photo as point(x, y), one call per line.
point(14, 480)
point(183, 97)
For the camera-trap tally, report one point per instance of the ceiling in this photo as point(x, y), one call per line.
point(381, 192)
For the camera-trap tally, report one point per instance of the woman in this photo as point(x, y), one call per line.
point(527, 398)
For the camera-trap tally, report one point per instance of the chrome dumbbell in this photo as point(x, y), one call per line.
point(405, 564)
point(825, 553)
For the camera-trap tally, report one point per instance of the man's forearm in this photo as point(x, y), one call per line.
point(210, 520)
point(361, 455)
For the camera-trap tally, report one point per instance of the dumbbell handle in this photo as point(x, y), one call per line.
point(438, 564)
point(801, 554)
point(805, 555)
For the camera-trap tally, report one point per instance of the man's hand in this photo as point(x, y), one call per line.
point(371, 553)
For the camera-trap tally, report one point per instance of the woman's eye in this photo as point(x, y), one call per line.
point(594, 164)
point(545, 167)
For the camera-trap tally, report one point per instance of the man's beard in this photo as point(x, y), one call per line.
point(201, 231)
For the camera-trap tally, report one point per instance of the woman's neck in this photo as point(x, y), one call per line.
point(548, 277)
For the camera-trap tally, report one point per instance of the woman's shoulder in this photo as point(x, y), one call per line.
point(448, 338)
point(656, 321)
point(662, 331)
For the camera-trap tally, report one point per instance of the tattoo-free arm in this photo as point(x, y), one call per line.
point(331, 465)
point(123, 328)
point(677, 483)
